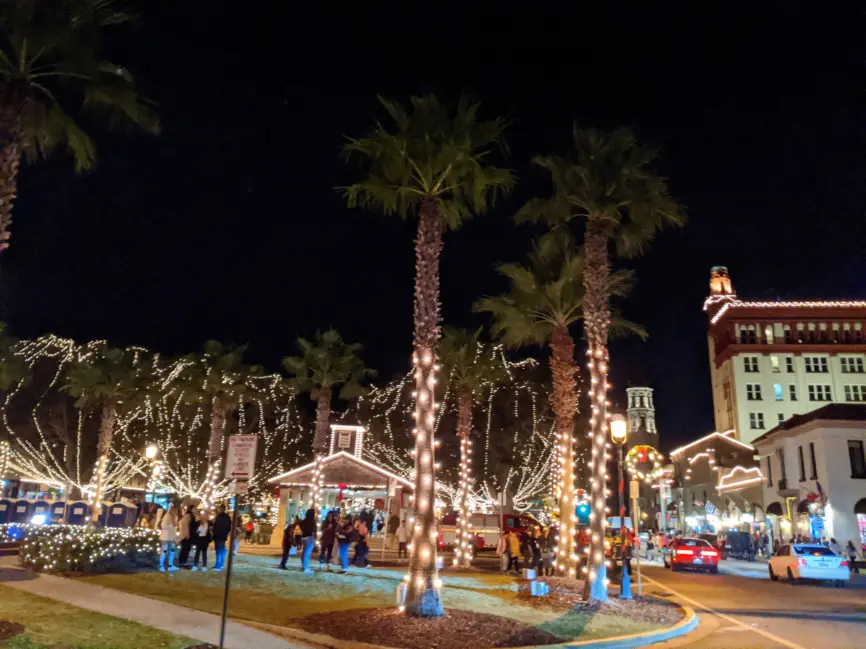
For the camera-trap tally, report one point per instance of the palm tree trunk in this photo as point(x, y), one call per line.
point(103, 446)
point(422, 591)
point(464, 543)
point(10, 162)
point(563, 399)
point(218, 416)
point(596, 315)
point(320, 448)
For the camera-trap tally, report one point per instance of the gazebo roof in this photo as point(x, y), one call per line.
point(342, 469)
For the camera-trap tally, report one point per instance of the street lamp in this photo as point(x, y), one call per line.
point(151, 451)
point(619, 435)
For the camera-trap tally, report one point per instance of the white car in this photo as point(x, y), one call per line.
point(809, 561)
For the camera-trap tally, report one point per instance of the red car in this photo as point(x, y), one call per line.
point(692, 553)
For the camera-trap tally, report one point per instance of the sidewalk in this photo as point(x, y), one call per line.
point(203, 627)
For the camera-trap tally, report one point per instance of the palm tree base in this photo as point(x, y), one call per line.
point(598, 588)
point(427, 604)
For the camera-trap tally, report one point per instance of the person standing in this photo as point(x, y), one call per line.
point(185, 535)
point(166, 523)
point(222, 527)
point(361, 547)
point(345, 530)
point(329, 534)
point(296, 534)
point(201, 539)
point(308, 539)
point(288, 543)
point(834, 547)
point(393, 526)
point(248, 531)
point(513, 546)
point(402, 540)
point(851, 551)
point(502, 551)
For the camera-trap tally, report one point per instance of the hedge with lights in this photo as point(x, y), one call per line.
point(74, 548)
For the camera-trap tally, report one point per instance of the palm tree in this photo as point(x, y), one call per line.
point(545, 299)
point(607, 185)
point(107, 379)
point(471, 365)
point(13, 370)
point(433, 162)
point(49, 63)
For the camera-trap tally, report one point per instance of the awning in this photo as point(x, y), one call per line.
point(860, 507)
point(774, 509)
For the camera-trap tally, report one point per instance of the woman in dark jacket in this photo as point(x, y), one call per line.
point(329, 533)
point(201, 538)
point(308, 536)
point(288, 542)
point(345, 530)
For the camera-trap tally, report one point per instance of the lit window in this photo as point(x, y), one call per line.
point(777, 389)
point(819, 393)
point(774, 363)
point(768, 334)
point(756, 420)
point(855, 393)
point(753, 392)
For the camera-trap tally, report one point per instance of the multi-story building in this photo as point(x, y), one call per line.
point(772, 360)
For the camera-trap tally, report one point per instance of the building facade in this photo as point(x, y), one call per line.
point(770, 361)
point(814, 467)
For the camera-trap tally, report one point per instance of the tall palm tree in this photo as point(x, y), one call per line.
point(218, 377)
point(109, 380)
point(325, 364)
point(433, 162)
point(608, 186)
point(471, 365)
point(545, 299)
point(50, 64)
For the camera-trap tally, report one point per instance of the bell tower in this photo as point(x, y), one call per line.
point(641, 415)
point(721, 290)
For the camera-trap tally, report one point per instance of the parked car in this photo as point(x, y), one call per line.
point(692, 553)
point(809, 561)
point(485, 528)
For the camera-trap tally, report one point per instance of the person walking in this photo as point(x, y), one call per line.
point(288, 543)
point(513, 551)
point(166, 523)
point(308, 539)
point(185, 535)
point(402, 540)
point(361, 547)
point(345, 530)
point(329, 534)
point(222, 527)
point(535, 549)
point(201, 539)
point(249, 528)
point(851, 551)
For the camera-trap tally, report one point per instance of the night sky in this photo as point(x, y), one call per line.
point(228, 226)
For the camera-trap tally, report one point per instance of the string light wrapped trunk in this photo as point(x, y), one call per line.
point(106, 434)
point(464, 543)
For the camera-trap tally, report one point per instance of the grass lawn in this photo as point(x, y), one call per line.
point(262, 593)
point(48, 623)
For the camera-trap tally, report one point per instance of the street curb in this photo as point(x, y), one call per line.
point(688, 624)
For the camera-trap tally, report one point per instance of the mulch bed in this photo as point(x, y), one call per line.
point(203, 646)
point(567, 594)
point(459, 630)
point(10, 629)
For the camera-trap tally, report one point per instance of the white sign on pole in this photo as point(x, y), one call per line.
point(241, 457)
point(239, 487)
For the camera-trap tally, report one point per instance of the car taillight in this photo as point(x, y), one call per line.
point(843, 564)
point(683, 551)
point(709, 553)
point(801, 562)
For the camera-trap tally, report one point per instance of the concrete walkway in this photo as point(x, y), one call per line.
point(203, 627)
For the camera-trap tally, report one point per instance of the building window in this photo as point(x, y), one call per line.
point(788, 338)
point(789, 364)
point(855, 456)
point(774, 363)
point(802, 464)
point(816, 364)
point(781, 418)
point(777, 389)
point(780, 453)
point(750, 363)
point(814, 464)
point(753, 392)
point(769, 470)
point(855, 393)
point(768, 334)
point(792, 390)
point(852, 365)
point(756, 420)
point(819, 393)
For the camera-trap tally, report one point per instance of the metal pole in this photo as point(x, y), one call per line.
point(621, 509)
point(230, 550)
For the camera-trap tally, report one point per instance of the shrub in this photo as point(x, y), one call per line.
point(75, 548)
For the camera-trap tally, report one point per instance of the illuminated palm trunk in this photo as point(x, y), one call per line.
point(597, 323)
point(10, 162)
point(464, 544)
point(320, 449)
point(103, 446)
point(219, 412)
point(422, 589)
point(564, 403)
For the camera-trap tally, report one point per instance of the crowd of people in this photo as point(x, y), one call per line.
point(338, 529)
point(191, 532)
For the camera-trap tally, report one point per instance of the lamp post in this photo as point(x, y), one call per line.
point(619, 435)
point(150, 453)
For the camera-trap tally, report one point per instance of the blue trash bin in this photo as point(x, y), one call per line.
point(78, 513)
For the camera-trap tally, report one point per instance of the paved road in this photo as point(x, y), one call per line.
point(748, 611)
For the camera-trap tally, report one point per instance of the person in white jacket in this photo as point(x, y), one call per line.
point(166, 523)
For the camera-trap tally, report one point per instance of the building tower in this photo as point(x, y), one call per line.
point(641, 415)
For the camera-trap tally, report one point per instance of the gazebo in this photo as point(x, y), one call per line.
point(348, 482)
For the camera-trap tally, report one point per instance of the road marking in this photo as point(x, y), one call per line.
point(732, 620)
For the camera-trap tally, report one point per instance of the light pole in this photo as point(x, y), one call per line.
point(619, 435)
point(150, 453)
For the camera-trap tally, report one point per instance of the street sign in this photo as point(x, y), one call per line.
point(239, 487)
point(241, 457)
